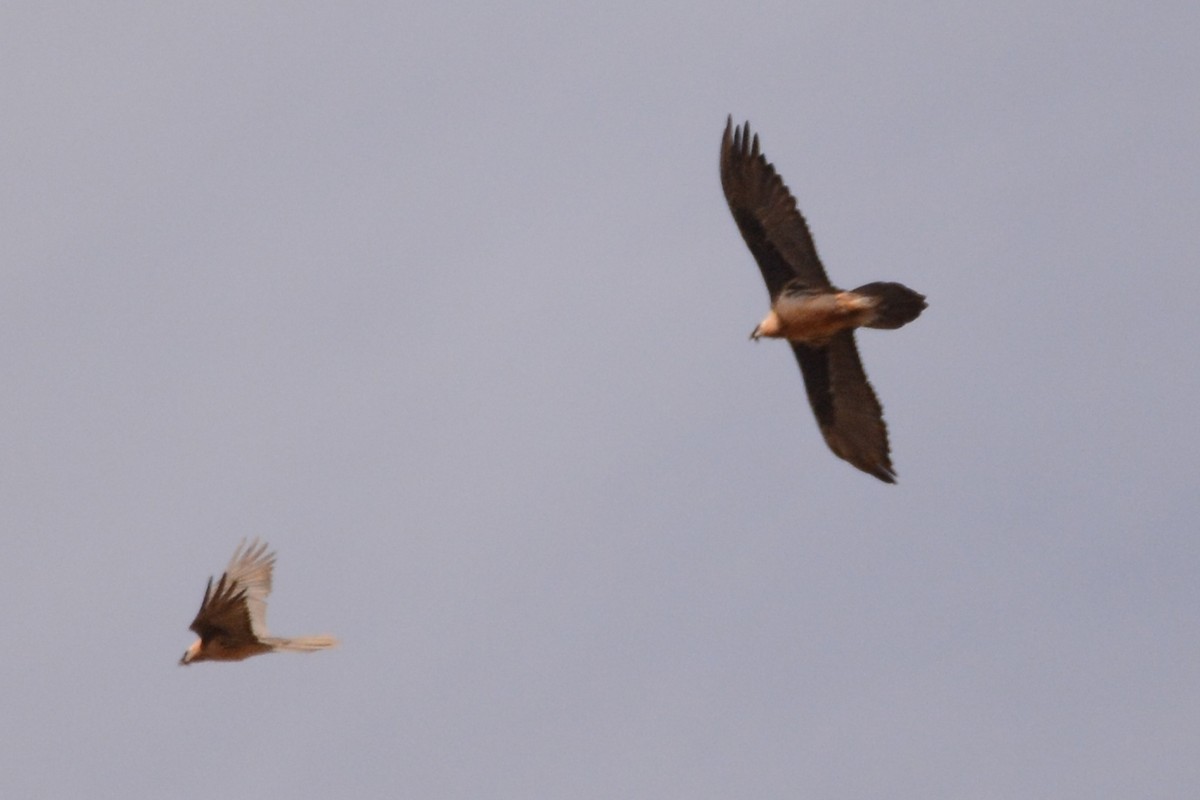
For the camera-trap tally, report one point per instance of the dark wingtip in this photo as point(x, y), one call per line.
point(883, 472)
point(740, 136)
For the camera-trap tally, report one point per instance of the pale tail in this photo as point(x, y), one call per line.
point(301, 644)
point(898, 304)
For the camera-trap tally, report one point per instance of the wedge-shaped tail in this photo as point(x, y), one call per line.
point(301, 644)
point(897, 306)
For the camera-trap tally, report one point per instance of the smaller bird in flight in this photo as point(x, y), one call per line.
point(232, 621)
point(816, 318)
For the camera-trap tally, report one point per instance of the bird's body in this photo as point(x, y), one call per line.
point(814, 316)
point(232, 621)
point(817, 318)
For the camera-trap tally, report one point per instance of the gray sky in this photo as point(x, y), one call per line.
point(446, 304)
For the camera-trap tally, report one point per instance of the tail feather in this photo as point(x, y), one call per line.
point(302, 644)
point(897, 305)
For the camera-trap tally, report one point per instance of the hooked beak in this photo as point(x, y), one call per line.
point(189, 656)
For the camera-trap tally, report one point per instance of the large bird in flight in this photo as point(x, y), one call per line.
point(816, 318)
point(232, 622)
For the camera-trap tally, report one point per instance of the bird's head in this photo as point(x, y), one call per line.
point(768, 327)
point(190, 654)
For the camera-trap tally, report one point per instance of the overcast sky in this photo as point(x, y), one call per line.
point(443, 300)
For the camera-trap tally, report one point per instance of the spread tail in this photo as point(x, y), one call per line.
point(302, 644)
point(897, 305)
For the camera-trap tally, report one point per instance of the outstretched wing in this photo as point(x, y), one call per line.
point(236, 610)
point(766, 214)
point(845, 405)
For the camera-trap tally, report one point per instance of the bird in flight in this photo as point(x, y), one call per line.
point(232, 621)
point(816, 318)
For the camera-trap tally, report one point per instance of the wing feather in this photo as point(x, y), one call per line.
point(846, 407)
point(224, 616)
point(235, 610)
point(250, 569)
point(766, 214)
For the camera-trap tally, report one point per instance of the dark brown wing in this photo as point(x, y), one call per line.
point(847, 410)
point(766, 214)
point(224, 614)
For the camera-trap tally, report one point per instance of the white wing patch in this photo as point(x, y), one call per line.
point(250, 569)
